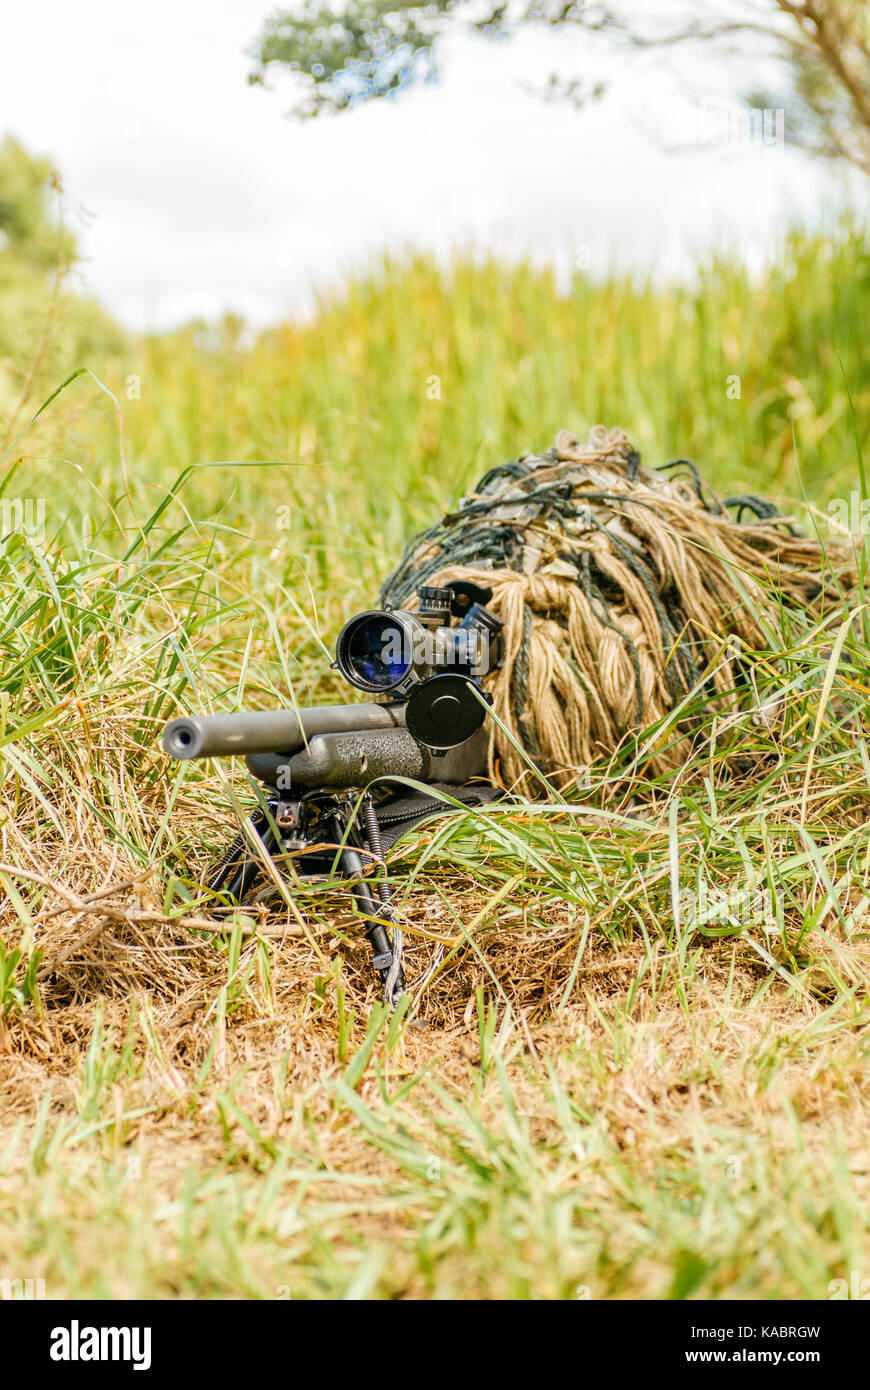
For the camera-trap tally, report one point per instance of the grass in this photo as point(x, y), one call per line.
point(644, 1067)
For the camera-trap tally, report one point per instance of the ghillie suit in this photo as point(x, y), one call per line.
point(625, 593)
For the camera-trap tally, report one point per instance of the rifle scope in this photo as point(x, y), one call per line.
point(388, 649)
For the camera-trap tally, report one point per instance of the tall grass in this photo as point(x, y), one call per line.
point(623, 1089)
point(410, 384)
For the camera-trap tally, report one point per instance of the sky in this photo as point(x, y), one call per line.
point(192, 193)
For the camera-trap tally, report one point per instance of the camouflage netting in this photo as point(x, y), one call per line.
point(622, 590)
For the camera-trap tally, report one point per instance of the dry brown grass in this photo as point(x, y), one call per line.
point(702, 1104)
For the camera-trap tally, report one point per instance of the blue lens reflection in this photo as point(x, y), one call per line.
point(378, 652)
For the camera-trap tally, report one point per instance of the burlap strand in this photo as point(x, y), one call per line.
point(622, 591)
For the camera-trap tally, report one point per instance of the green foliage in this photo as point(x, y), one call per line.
point(342, 57)
point(375, 48)
point(413, 380)
point(826, 89)
point(27, 229)
point(45, 327)
point(18, 984)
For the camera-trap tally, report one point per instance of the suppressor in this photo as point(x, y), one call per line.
point(273, 730)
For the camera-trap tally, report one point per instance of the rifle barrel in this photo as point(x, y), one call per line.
point(271, 731)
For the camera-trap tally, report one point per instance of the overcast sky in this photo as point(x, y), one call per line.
point(192, 193)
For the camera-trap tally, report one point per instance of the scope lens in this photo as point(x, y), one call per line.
point(375, 651)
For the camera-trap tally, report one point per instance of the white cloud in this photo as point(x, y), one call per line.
point(200, 195)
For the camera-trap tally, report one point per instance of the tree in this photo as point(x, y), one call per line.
point(28, 231)
point(44, 327)
point(343, 53)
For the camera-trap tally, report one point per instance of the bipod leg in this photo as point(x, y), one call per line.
point(395, 983)
point(239, 869)
point(387, 954)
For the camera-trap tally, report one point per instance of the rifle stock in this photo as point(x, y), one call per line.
point(343, 760)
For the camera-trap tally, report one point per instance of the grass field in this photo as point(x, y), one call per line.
point(611, 1098)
